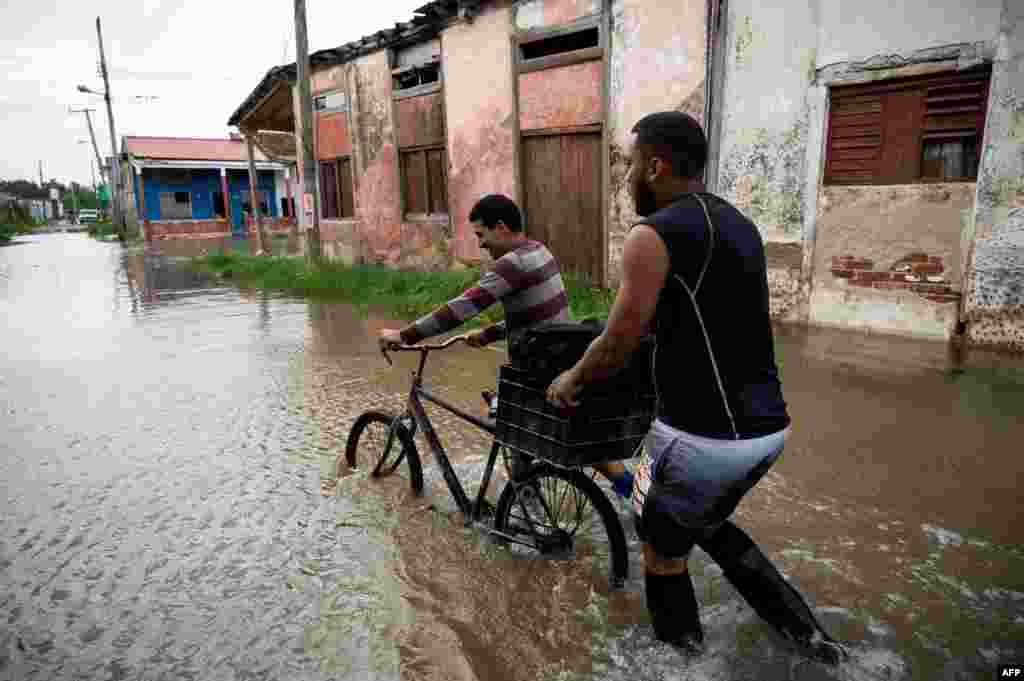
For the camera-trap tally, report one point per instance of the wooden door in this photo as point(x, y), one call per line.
point(562, 199)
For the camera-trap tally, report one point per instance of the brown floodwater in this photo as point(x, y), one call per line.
point(174, 505)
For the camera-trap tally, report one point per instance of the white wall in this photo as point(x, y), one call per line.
point(855, 30)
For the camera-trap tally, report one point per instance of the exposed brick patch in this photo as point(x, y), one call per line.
point(928, 268)
point(871, 275)
point(900, 276)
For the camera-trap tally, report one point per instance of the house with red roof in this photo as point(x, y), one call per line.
point(200, 188)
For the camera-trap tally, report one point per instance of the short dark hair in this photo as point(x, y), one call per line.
point(678, 138)
point(494, 207)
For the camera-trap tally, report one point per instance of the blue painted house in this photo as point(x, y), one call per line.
point(199, 188)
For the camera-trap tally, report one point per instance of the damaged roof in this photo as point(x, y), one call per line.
point(188, 149)
point(426, 23)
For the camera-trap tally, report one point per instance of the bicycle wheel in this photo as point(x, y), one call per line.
point(384, 442)
point(563, 513)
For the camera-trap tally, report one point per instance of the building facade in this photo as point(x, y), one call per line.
point(877, 145)
point(181, 188)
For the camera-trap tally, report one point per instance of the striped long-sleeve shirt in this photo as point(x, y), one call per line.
point(526, 281)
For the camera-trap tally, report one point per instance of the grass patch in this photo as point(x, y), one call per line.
point(408, 294)
point(8, 231)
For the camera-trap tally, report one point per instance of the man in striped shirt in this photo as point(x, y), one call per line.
point(525, 279)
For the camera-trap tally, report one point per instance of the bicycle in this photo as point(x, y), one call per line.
point(548, 509)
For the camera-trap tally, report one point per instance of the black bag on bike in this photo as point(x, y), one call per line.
point(548, 350)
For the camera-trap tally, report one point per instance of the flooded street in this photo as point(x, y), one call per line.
point(168, 451)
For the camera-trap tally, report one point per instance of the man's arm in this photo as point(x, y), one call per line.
point(491, 288)
point(645, 265)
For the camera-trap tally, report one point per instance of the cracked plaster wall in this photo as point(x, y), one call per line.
point(779, 59)
point(886, 225)
point(543, 13)
point(854, 31)
point(994, 304)
point(656, 63)
point(480, 111)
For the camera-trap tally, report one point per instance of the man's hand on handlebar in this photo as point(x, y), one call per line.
point(390, 339)
point(476, 339)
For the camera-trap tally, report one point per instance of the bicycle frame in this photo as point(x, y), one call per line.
point(414, 407)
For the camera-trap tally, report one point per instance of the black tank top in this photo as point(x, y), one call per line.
point(731, 391)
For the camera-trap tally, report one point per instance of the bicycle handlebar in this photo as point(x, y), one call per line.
point(421, 348)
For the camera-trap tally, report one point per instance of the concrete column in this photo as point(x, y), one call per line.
point(253, 196)
point(227, 195)
point(143, 220)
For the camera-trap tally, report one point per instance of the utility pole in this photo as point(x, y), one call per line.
point(310, 201)
point(115, 170)
point(92, 136)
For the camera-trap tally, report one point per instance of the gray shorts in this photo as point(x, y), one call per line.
point(687, 485)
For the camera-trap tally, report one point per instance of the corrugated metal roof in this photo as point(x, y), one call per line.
point(426, 24)
point(189, 149)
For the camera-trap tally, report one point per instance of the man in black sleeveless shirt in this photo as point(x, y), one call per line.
point(693, 269)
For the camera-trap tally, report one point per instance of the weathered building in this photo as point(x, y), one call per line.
point(178, 186)
point(877, 145)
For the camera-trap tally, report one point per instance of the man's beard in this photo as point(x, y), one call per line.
point(644, 202)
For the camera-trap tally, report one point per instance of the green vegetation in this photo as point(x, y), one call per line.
point(102, 229)
point(8, 231)
point(407, 293)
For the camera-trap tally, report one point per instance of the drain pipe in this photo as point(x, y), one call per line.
point(711, 126)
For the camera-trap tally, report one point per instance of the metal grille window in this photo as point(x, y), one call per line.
point(336, 189)
point(175, 206)
point(908, 130)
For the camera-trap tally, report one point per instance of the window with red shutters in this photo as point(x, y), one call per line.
point(909, 130)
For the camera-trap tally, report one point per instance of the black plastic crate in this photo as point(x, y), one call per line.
point(610, 423)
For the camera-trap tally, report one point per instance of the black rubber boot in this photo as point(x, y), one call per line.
point(769, 594)
point(675, 614)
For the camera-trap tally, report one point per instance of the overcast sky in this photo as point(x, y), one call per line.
point(200, 57)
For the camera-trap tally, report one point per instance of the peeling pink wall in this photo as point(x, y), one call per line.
point(479, 103)
point(328, 79)
point(543, 13)
point(420, 120)
point(564, 11)
point(561, 97)
point(333, 138)
point(657, 63)
point(377, 228)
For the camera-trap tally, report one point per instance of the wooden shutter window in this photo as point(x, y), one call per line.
point(907, 130)
point(414, 164)
point(345, 183)
point(437, 180)
point(329, 189)
point(855, 139)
